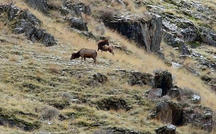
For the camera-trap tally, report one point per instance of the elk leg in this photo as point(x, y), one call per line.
point(95, 60)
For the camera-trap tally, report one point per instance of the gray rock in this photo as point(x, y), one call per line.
point(26, 15)
point(34, 34)
point(139, 78)
point(174, 93)
point(172, 40)
point(168, 112)
point(27, 23)
point(163, 80)
point(185, 50)
point(195, 98)
point(177, 31)
point(137, 28)
point(113, 103)
point(182, 114)
point(208, 36)
point(155, 93)
point(77, 8)
point(41, 5)
point(168, 129)
point(176, 65)
point(78, 23)
point(12, 12)
point(199, 116)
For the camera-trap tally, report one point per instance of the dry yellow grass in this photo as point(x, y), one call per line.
point(54, 68)
point(13, 58)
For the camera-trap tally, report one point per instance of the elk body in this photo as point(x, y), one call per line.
point(85, 53)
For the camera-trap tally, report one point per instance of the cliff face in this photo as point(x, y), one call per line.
point(163, 71)
point(147, 33)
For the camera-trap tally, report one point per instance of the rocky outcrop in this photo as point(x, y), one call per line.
point(208, 36)
point(174, 41)
point(169, 112)
point(146, 30)
point(178, 31)
point(113, 103)
point(135, 78)
point(191, 30)
point(76, 8)
point(199, 116)
point(78, 23)
point(26, 23)
point(138, 78)
point(41, 5)
point(34, 34)
point(182, 114)
point(163, 80)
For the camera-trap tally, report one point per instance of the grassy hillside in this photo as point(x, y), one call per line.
point(42, 89)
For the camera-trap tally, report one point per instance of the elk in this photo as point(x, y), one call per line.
point(102, 43)
point(85, 53)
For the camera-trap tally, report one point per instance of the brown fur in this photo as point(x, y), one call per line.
point(107, 48)
point(102, 43)
point(85, 53)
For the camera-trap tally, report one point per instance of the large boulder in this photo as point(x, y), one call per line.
point(163, 80)
point(169, 112)
point(146, 30)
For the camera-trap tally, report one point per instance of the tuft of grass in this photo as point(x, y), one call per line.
point(13, 58)
point(53, 68)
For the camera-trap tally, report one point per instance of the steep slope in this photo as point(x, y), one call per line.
point(43, 91)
